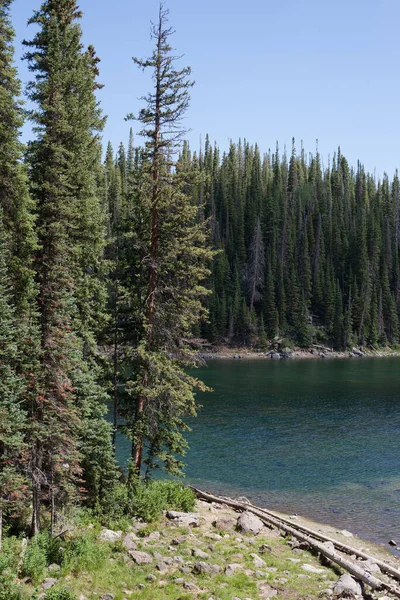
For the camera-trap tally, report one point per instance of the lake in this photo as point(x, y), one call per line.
point(315, 437)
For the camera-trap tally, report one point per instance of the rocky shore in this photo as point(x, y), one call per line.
point(315, 352)
point(213, 553)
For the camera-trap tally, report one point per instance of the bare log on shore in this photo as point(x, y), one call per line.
point(300, 533)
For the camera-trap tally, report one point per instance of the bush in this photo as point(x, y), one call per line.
point(10, 591)
point(59, 594)
point(150, 499)
point(42, 551)
point(84, 554)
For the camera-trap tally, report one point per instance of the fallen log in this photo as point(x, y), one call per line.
point(352, 568)
point(386, 567)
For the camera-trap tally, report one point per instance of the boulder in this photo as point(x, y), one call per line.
point(224, 524)
point(312, 569)
point(199, 553)
point(259, 563)
point(107, 535)
point(140, 558)
point(370, 566)
point(249, 523)
point(203, 568)
point(232, 568)
point(347, 585)
point(107, 597)
point(184, 519)
point(48, 583)
point(54, 568)
point(129, 541)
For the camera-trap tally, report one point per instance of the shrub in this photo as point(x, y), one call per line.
point(35, 559)
point(10, 591)
point(84, 554)
point(59, 594)
point(150, 499)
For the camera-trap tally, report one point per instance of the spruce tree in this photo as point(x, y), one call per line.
point(174, 263)
point(64, 161)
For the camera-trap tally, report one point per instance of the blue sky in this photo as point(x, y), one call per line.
point(265, 70)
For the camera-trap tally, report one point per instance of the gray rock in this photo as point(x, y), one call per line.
point(107, 535)
point(129, 541)
point(184, 519)
point(329, 546)
point(151, 577)
point(346, 584)
point(54, 568)
point(140, 558)
point(203, 568)
point(82, 597)
point(249, 523)
point(179, 540)
point(259, 563)
point(154, 535)
point(162, 567)
point(107, 597)
point(275, 356)
point(224, 524)
point(178, 560)
point(327, 592)
point(312, 569)
point(199, 553)
point(179, 580)
point(192, 587)
point(266, 591)
point(48, 583)
point(370, 566)
point(232, 568)
point(346, 533)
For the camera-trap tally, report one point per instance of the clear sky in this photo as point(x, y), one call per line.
point(265, 70)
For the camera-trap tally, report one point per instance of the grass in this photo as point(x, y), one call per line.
point(92, 568)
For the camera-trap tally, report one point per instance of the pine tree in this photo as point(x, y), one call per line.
point(174, 263)
point(64, 161)
point(13, 418)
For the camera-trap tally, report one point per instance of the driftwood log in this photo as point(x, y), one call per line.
point(351, 567)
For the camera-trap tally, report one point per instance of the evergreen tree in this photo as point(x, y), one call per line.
point(174, 261)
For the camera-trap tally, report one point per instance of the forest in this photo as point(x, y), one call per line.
point(112, 269)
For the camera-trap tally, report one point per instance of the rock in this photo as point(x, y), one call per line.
point(370, 566)
point(224, 524)
point(264, 548)
point(199, 553)
point(266, 591)
point(107, 597)
point(192, 587)
point(232, 568)
point(140, 558)
point(243, 500)
point(48, 583)
point(327, 592)
point(259, 563)
point(178, 560)
point(162, 567)
point(329, 546)
point(184, 519)
point(249, 523)
point(275, 356)
point(203, 568)
point(346, 533)
point(54, 568)
point(154, 535)
point(129, 541)
point(82, 597)
point(312, 569)
point(294, 560)
point(151, 577)
point(346, 584)
point(107, 535)
point(179, 540)
point(392, 543)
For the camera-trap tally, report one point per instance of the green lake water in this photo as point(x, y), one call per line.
point(319, 438)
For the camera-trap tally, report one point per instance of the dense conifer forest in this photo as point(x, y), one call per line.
point(111, 269)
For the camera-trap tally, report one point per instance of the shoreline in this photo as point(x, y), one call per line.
point(316, 353)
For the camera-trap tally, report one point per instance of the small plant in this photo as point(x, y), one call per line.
point(35, 559)
point(10, 591)
point(59, 594)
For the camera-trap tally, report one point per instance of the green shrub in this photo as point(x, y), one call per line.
point(35, 559)
point(59, 594)
point(10, 591)
point(84, 554)
point(150, 499)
